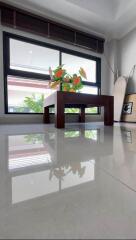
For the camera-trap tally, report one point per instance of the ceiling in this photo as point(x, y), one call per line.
point(107, 18)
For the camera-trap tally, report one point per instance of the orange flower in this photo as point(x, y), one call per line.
point(59, 73)
point(76, 80)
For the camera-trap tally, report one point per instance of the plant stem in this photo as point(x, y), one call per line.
point(61, 86)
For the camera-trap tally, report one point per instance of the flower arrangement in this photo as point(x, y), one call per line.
point(67, 82)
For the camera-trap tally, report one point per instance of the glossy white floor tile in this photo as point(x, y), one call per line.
point(76, 183)
point(122, 163)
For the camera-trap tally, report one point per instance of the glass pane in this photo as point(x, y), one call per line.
point(26, 95)
point(73, 64)
point(71, 110)
point(67, 110)
point(93, 110)
point(32, 58)
point(89, 90)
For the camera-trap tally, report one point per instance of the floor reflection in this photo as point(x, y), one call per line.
point(41, 164)
point(57, 183)
point(38, 184)
point(27, 150)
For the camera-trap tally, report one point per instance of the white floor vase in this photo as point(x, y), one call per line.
point(119, 95)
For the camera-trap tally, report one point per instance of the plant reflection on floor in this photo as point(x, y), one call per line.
point(63, 171)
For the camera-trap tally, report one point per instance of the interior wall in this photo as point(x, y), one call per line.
point(121, 55)
point(111, 57)
point(127, 58)
point(16, 118)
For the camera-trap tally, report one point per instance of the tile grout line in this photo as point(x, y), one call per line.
point(118, 180)
point(115, 178)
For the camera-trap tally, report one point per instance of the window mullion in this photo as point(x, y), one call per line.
point(25, 74)
point(60, 58)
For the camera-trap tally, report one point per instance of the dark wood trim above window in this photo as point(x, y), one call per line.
point(26, 21)
point(7, 16)
point(31, 24)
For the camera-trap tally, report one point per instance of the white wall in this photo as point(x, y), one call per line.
point(127, 58)
point(6, 118)
point(111, 54)
point(121, 55)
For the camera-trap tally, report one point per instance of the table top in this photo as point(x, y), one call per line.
point(77, 99)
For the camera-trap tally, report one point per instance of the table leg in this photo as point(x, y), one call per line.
point(59, 113)
point(82, 115)
point(46, 115)
point(108, 113)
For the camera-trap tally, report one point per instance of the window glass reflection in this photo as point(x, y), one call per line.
point(91, 134)
point(72, 134)
point(27, 150)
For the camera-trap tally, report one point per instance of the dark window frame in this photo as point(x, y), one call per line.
point(24, 74)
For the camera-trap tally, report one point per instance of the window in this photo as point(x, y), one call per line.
point(26, 68)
